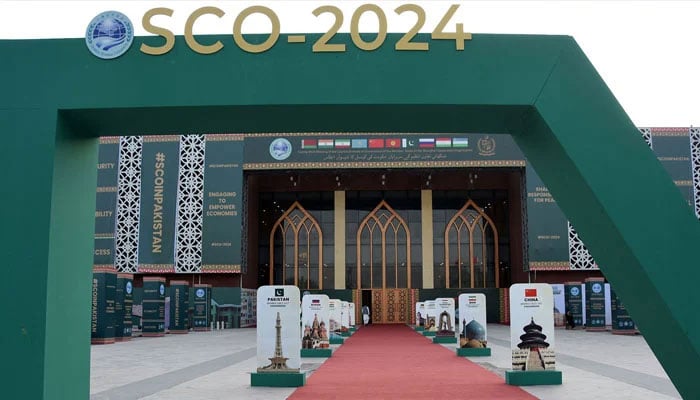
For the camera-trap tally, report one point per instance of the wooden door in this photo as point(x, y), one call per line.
point(391, 306)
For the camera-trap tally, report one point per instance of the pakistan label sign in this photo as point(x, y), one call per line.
point(223, 186)
point(279, 347)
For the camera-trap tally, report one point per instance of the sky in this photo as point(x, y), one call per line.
point(648, 52)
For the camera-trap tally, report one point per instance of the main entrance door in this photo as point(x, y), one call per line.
point(391, 306)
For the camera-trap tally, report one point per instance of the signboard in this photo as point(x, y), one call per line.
point(559, 303)
point(430, 316)
point(532, 327)
point(314, 321)
point(223, 188)
point(573, 296)
point(248, 307)
point(445, 311)
point(278, 329)
point(352, 314)
point(595, 303)
point(153, 306)
point(672, 148)
point(179, 304)
point(106, 201)
point(472, 327)
point(621, 320)
point(104, 280)
point(334, 316)
point(126, 283)
point(546, 226)
point(344, 316)
point(365, 150)
point(420, 313)
point(159, 177)
point(201, 316)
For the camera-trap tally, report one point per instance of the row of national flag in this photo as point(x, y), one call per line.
point(381, 143)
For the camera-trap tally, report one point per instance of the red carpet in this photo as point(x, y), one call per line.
point(394, 362)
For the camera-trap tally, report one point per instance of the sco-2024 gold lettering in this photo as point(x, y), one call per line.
point(322, 44)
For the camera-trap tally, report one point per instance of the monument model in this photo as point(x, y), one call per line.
point(534, 353)
point(473, 335)
point(278, 363)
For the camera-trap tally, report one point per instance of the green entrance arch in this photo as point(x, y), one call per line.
point(57, 98)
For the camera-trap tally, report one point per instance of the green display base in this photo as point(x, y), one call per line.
point(346, 334)
point(353, 330)
point(419, 328)
point(533, 378)
point(474, 352)
point(280, 379)
point(336, 340)
point(428, 333)
point(444, 339)
point(316, 352)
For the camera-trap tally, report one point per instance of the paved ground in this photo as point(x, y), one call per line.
point(215, 365)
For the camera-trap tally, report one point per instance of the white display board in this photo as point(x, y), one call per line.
point(420, 313)
point(344, 316)
point(334, 316)
point(445, 311)
point(279, 311)
point(430, 316)
point(532, 327)
point(472, 325)
point(559, 303)
point(314, 321)
point(352, 314)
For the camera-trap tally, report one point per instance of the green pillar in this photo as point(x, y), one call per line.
point(153, 306)
point(179, 301)
point(104, 287)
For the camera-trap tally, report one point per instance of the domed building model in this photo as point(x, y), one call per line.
point(473, 335)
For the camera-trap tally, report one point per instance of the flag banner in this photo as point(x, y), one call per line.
point(359, 143)
point(159, 176)
point(342, 143)
point(393, 143)
point(223, 188)
point(106, 201)
point(370, 150)
point(376, 143)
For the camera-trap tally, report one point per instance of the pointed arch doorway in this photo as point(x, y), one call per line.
point(383, 264)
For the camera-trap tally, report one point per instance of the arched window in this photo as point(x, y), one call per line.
point(471, 249)
point(383, 250)
point(296, 249)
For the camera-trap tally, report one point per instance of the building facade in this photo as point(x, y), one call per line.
point(379, 219)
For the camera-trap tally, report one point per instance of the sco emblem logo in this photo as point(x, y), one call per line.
point(199, 293)
point(575, 291)
point(109, 35)
point(597, 288)
point(280, 149)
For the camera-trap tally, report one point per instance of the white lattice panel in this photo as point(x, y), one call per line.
point(190, 203)
point(128, 204)
point(579, 257)
point(695, 154)
point(646, 134)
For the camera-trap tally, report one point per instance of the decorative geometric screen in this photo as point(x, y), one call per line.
point(128, 204)
point(695, 154)
point(190, 200)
